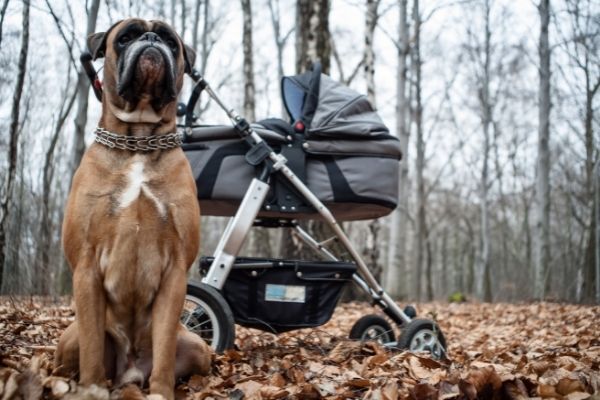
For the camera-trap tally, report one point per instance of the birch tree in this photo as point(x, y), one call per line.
point(417, 122)
point(312, 44)
point(398, 230)
point(259, 238)
point(14, 131)
point(482, 283)
point(249, 105)
point(312, 34)
point(2, 14)
point(372, 245)
point(542, 195)
point(83, 87)
point(582, 46)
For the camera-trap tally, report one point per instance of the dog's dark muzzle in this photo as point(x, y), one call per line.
point(147, 56)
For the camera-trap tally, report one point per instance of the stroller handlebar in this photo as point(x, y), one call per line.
point(210, 132)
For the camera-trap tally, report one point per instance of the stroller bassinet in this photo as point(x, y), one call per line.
point(336, 144)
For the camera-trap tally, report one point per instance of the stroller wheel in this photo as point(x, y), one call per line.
point(207, 314)
point(373, 327)
point(423, 335)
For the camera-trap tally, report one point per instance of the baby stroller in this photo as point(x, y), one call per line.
point(335, 161)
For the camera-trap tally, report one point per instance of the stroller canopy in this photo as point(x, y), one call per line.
point(328, 108)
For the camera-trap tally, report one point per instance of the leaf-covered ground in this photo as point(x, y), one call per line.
point(541, 350)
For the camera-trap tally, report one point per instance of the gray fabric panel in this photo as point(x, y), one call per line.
point(387, 148)
point(199, 158)
point(233, 178)
point(342, 111)
point(371, 177)
point(332, 96)
point(317, 180)
point(367, 176)
point(359, 126)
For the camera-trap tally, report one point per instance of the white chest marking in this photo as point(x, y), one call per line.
point(136, 184)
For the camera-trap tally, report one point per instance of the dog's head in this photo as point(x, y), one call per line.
point(143, 69)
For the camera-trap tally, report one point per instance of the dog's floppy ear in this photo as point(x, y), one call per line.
point(189, 56)
point(97, 42)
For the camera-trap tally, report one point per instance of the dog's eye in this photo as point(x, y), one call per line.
point(124, 39)
point(172, 44)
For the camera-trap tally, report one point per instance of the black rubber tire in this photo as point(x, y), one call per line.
point(217, 317)
point(425, 328)
point(373, 327)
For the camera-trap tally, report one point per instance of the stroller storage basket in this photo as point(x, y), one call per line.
point(281, 295)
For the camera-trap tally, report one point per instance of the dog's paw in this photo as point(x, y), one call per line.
point(129, 392)
point(92, 392)
point(155, 397)
point(132, 375)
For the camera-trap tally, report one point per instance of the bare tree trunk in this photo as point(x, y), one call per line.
point(428, 266)
point(542, 221)
point(173, 12)
point(183, 15)
point(196, 25)
point(14, 131)
point(45, 244)
point(369, 56)
point(2, 14)
point(280, 41)
point(417, 120)
point(372, 245)
point(259, 239)
point(205, 51)
point(83, 87)
point(589, 273)
point(312, 44)
point(397, 249)
point(483, 289)
point(249, 105)
point(444, 261)
point(312, 34)
point(597, 220)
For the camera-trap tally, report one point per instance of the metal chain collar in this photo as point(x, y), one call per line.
point(142, 143)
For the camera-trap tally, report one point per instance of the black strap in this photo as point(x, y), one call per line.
point(86, 62)
point(194, 96)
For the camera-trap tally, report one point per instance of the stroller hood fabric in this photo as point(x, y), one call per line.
point(330, 109)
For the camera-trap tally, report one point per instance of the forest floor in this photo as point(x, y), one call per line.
point(542, 350)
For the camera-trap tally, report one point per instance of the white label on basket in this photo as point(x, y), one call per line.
point(285, 293)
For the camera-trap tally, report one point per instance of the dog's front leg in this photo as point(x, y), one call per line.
point(165, 317)
point(90, 306)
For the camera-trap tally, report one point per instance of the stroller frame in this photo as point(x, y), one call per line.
point(417, 334)
point(239, 226)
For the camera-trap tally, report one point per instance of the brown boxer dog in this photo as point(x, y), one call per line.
point(131, 226)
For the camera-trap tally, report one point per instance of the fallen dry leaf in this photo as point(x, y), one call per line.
point(496, 351)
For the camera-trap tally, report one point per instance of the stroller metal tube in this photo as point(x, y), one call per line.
point(235, 234)
point(313, 244)
point(319, 248)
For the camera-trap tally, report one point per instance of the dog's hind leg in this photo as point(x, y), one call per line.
point(66, 358)
point(193, 355)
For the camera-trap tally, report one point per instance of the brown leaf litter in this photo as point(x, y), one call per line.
point(497, 351)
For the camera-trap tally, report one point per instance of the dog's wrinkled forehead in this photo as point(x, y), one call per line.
point(126, 31)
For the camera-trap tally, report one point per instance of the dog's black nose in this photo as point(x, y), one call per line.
point(151, 37)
